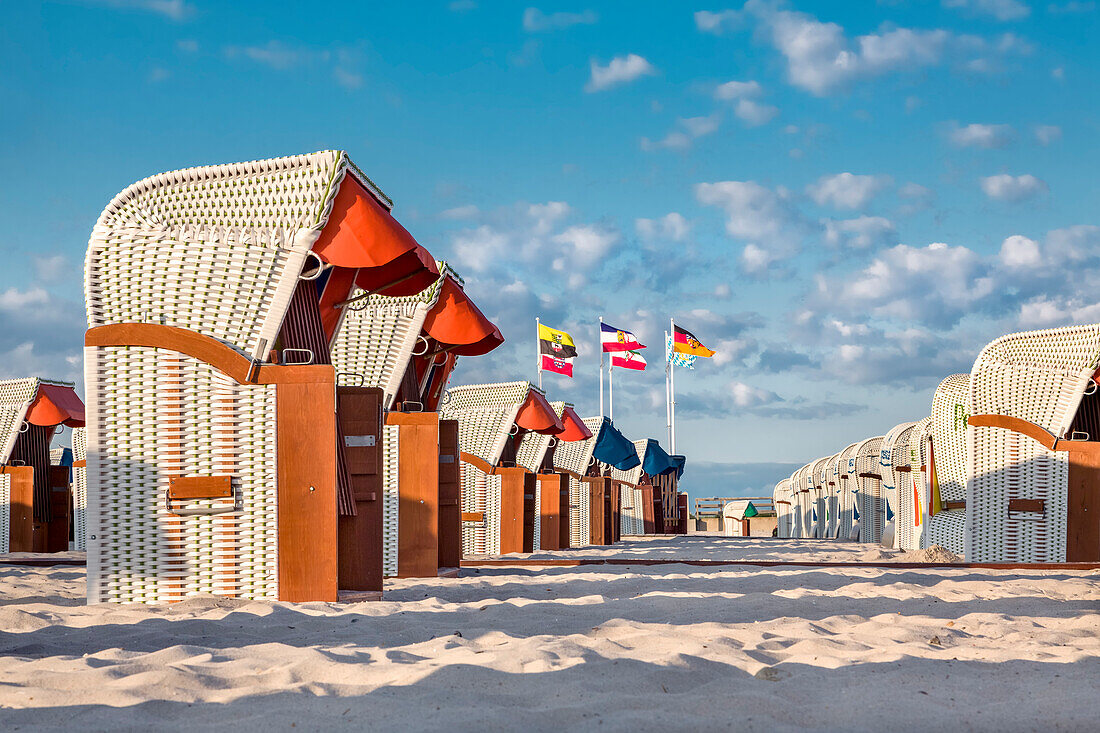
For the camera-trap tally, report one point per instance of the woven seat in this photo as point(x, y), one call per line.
point(1031, 489)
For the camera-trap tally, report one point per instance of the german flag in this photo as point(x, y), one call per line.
point(684, 342)
point(555, 343)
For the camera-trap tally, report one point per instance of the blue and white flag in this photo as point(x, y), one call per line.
point(677, 359)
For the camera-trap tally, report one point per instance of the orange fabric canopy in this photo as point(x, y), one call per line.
point(536, 415)
point(56, 405)
point(575, 429)
point(361, 234)
point(455, 322)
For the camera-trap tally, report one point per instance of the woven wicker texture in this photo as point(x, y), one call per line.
point(215, 249)
point(579, 515)
point(532, 449)
point(847, 491)
point(911, 522)
point(782, 493)
point(818, 483)
point(5, 512)
point(634, 475)
point(798, 503)
point(16, 395)
point(895, 455)
point(576, 456)
point(1038, 376)
point(80, 490)
point(950, 411)
point(391, 498)
point(869, 499)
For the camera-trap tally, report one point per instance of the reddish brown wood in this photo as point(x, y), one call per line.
point(682, 500)
point(954, 505)
point(563, 517)
point(530, 511)
point(597, 508)
point(359, 411)
point(306, 436)
point(200, 487)
point(478, 463)
point(613, 524)
point(57, 530)
point(512, 486)
point(1083, 499)
point(582, 562)
point(471, 517)
point(21, 509)
point(450, 496)
point(418, 488)
point(648, 526)
point(1026, 505)
point(1015, 424)
point(80, 464)
point(550, 511)
point(876, 476)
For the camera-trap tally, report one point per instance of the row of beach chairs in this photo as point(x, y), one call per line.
point(266, 369)
point(1005, 469)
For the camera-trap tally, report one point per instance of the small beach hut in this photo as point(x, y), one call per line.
point(781, 500)
point(847, 491)
point(914, 488)
point(869, 499)
point(1033, 486)
point(837, 467)
point(820, 476)
point(735, 517)
point(35, 496)
point(213, 295)
point(947, 504)
point(536, 454)
point(800, 501)
point(498, 495)
point(894, 468)
point(405, 347)
point(653, 484)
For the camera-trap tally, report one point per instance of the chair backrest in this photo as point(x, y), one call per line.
point(893, 456)
point(950, 411)
point(533, 447)
point(872, 507)
point(781, 498)
point(576, 456)
point(16, 395)
point(914, 488)
point(486, 414)
point(632, 475)
point(1040, 377)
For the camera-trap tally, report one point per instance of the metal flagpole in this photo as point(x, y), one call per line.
point(538, 351)
point(668, 396)
point(611, 392)
point(600, 342)
point(672, 390)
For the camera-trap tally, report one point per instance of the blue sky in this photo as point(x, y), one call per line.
point(847, 200)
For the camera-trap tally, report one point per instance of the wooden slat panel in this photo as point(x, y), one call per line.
point(200, 487)
point(550, 511)
point(418, 513)
point(1083, 498)
point(450, 489)
point(512, 486)
point(21, 510)
point(360, 536)
point(360, 414)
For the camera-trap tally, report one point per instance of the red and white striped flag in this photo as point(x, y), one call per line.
point(628, 360)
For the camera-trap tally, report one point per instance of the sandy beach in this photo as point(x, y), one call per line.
point(603, 647)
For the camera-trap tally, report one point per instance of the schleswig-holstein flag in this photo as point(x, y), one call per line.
point(616, 339)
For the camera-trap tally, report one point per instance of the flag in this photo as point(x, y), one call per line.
point(684, 342)
point(558, 366)
point(628, 360)
point(616, 339)
point(557, 344)
point(681, 360)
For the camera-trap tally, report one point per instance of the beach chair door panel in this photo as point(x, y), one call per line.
point(21, 517)
point(359, 416)
point(57, 530)
point(450, 496)
point(1083, 499)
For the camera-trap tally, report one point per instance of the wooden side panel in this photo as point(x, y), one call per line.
point(550, 511)
point(57, 531)
point(418, 476)
point(306, 414)
point(21, 512)
point(682, 500)
point(450, 504)
point(530, 511)
point(596, 511)
point(359, 411)
point(563, 516)
point(647, 510)
point(1083, 523)
point(512, 485)
point(614, 524)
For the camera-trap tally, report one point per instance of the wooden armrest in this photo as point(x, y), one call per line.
point(954, 505)
point(871, 475)
point(200, 487)
point(473, 516)
point(1016, 425)
point(1026, 505)
point(903, 469)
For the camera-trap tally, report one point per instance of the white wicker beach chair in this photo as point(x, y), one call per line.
point(632, 496)
point(781, 499)
point(819, 496)
point(915, 489)
point(34, 493)
point(1032, 487)
point(947, 515)
point(869, 499)
point(895, 468)
point(837, 466)
point(213, 295)
point(576, 460)
point(847, 490)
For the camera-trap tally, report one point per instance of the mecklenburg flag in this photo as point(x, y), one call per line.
point(628, 360)
point(684, 342)
point(558, 366)
point(555, 343)
point(616, 339)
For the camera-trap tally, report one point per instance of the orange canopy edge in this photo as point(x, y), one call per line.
point(56, 404)
point(536, 415)
point(455, 322)
point(575, 429)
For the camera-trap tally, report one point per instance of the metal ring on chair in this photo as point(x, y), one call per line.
point(58, 429)
point(405, 406)
point(361, 379)
point(552, 442)
point(514, 430)
point(1091, 389)
point(445, 398)
point(316, 273)
point(426, 345)
point(592, 460)
point(24, 427)
point(287, 362)
point(1074, 435)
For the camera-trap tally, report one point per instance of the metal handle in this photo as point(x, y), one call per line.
point(288, 362)
point(1091, 389)
point(199, 511)
point(58, 429)
point(552, 442)
point(24, 427)
point(405, 406)
point(420, 339)
point(1079, 435)
point(360, 379)
point(315, 273)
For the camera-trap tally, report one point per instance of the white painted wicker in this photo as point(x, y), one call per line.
point(576, 457)
point(872, 506)
point(819, 495)
point(1040, 377)
point(914, 490)
point(781, 499)
point(950, 411)
point(847, 491)
point(894, 456)
point(80, 490)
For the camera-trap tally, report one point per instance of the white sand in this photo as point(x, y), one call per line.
point(588, 648)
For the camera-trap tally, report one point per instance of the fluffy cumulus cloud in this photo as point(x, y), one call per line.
point(847, 190)
point(861, 233)
point(620, 70)
point(976, 135)
point(746, 105)
point(670, 227)
point(764, 219)
point(1005, 187)
point(821, 58)
point(687, 130)
point(1003, 10)
point(536, 21)
point(41, 336)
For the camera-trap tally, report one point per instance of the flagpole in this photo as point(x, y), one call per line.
point(611, 392)
point(668, 397)
point(538, 354)
point(600, 342)
point(672, 391)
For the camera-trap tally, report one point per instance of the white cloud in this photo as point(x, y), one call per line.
point(1005, 187)
point(690, 128)
point(846, 190)
point(177, 10)
point(1019, 252)
point(1002, 10)
point(52, 268)
point(716, 22)
point(536, 21)
point(188, 45)
point(754, 113)
point(980, 136)
point(1047, 134)
point(745, 395)
point(1073, 6)
point(762, 218)
point(865, 232)
point(468, 211)
point(737, 90)
point(620, 70)
point(276, 54)
point(671, 227)
point(461, 6)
